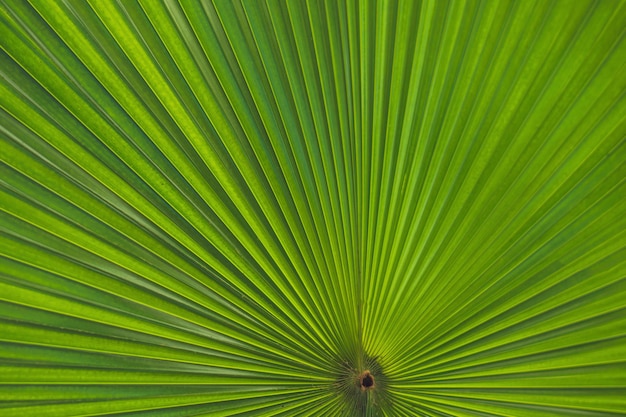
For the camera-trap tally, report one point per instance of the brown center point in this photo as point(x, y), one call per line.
point(367, 380)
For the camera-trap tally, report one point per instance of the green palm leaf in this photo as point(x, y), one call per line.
point(314, 208)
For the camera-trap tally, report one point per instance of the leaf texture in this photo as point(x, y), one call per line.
point(236, 207)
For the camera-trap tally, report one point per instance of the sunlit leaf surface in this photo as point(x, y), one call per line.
point(239, 207)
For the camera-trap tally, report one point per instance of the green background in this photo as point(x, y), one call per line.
point(235, 207)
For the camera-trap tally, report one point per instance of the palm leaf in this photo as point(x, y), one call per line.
point(242, 207)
